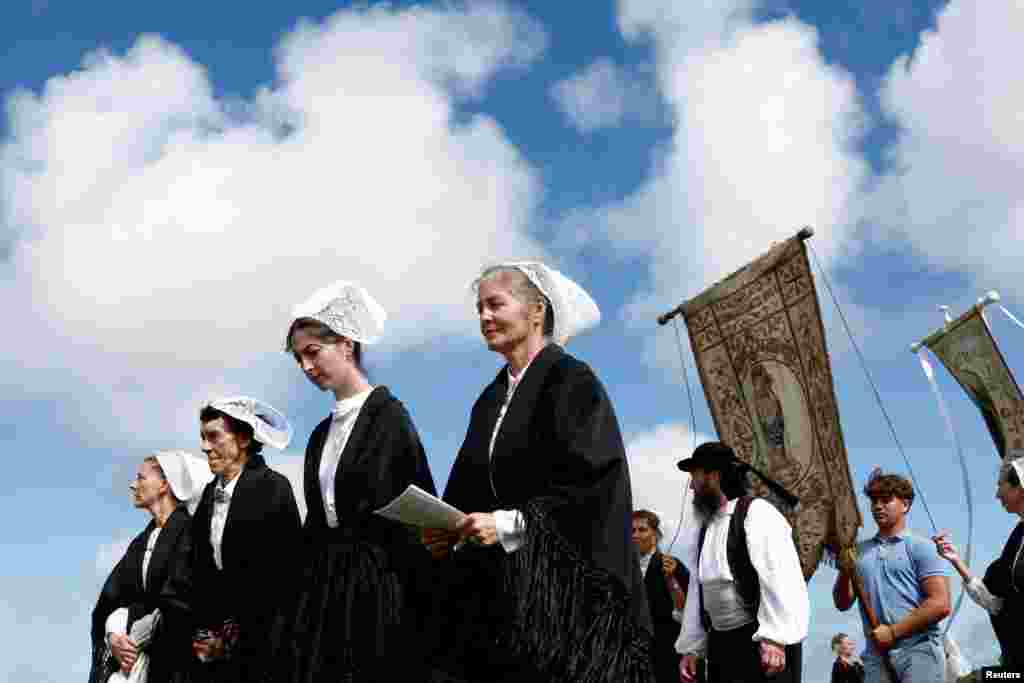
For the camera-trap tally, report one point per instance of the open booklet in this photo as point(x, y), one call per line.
point(416, 507)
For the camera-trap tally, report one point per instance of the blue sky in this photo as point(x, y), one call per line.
point(174, 179)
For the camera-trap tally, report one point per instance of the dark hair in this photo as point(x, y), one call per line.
point(234, 425)
point(735, 483)
point(652, 520)
point(1012, 478)
point(525, 291)
point(325, 334)
point(883, 485)
point(152, 460)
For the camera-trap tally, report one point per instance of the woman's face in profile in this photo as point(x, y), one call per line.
point(1012, 497)
point(504, 318)
point(325, 365)
point(147, 485)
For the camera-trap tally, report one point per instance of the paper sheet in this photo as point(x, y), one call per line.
point(416, 507)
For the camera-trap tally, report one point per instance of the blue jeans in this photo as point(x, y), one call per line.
point(923, 662)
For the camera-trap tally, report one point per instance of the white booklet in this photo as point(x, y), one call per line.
point(416, 507)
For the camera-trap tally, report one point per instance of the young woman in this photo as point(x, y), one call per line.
point(361, 599)
point(152, 583)
point(1001, 591)
point(545, 584)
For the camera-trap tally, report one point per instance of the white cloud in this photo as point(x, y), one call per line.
point(765, 143)
point(659, 485)
point(109, 554)
point(957, 194)
point(161, 226)
point(596, 97)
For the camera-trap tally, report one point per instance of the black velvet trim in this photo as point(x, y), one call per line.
point(571, 619)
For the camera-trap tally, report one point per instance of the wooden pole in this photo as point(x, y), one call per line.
point(869, 611)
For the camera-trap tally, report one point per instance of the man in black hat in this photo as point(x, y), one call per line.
point(748, 609)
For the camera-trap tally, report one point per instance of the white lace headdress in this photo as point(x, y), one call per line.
point(186, 474)
point(346, 308)
point(269, 425)
point(573, 309)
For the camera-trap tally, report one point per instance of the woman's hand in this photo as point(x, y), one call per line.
point(479, 528)
point(944, 546)
point(125, 651)
point(438, 541)
point(208, 648)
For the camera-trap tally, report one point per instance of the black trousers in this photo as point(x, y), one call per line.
point(734, 658)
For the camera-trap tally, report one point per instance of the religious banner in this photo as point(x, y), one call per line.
point(760, 349)
point(969, 352)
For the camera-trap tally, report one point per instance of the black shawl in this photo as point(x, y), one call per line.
point(168, 587)
point(1006, 581)
point(258, 549)
point(666, 628)
point(573, 600)
point(366, 584)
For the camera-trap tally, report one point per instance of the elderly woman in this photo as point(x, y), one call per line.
point(1001, 591)
point(543, 583)
point(147, 595)
point(847, 668)
point(359, 612)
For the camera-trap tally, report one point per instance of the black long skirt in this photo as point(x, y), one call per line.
point(357, 614)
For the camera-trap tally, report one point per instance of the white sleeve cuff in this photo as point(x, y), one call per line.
point(980, 594)
point(509, 526)
point(117, 622)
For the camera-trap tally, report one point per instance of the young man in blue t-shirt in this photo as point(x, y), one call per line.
point(906, 583)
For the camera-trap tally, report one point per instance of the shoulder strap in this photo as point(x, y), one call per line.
point(738, 552)
point(705, 618)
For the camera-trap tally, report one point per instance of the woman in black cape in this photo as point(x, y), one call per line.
point(154, 574)
point(542, 580)
point(1001, 591)
point(360, 601)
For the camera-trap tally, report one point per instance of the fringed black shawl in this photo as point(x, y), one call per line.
point(1005, 579)
point(168, 587)
point(569, 605)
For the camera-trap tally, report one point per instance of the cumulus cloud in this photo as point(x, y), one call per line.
point(765, 143)
point(957, 191)
point(658, 485)
point(109, 554)
point(156, 224)
point(603, 95)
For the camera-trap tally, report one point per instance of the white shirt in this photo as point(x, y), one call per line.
point(784, 610)
point(344, 419)
point(645, 561)
point(508, 523)
point(219, 518)
point(148, 554)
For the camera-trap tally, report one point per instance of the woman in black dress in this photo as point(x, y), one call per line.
point(152, 583)
point(1001, 591)
point(359, 608)
point(543, 582)
point(847, 668)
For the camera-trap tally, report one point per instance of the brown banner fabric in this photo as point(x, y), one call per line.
point(969, 351)
point(760, 348)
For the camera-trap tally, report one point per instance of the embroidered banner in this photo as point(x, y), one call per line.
point(760, 349)
point(970, 353)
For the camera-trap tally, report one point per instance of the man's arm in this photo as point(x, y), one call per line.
point(842, 592)
point(935, 607)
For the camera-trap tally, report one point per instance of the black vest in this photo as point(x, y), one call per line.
point(748, 585)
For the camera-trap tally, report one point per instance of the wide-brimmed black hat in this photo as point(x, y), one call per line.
point(713, 455)
point(717, 456)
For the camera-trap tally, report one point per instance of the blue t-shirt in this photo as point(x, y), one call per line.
point(893, 569)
